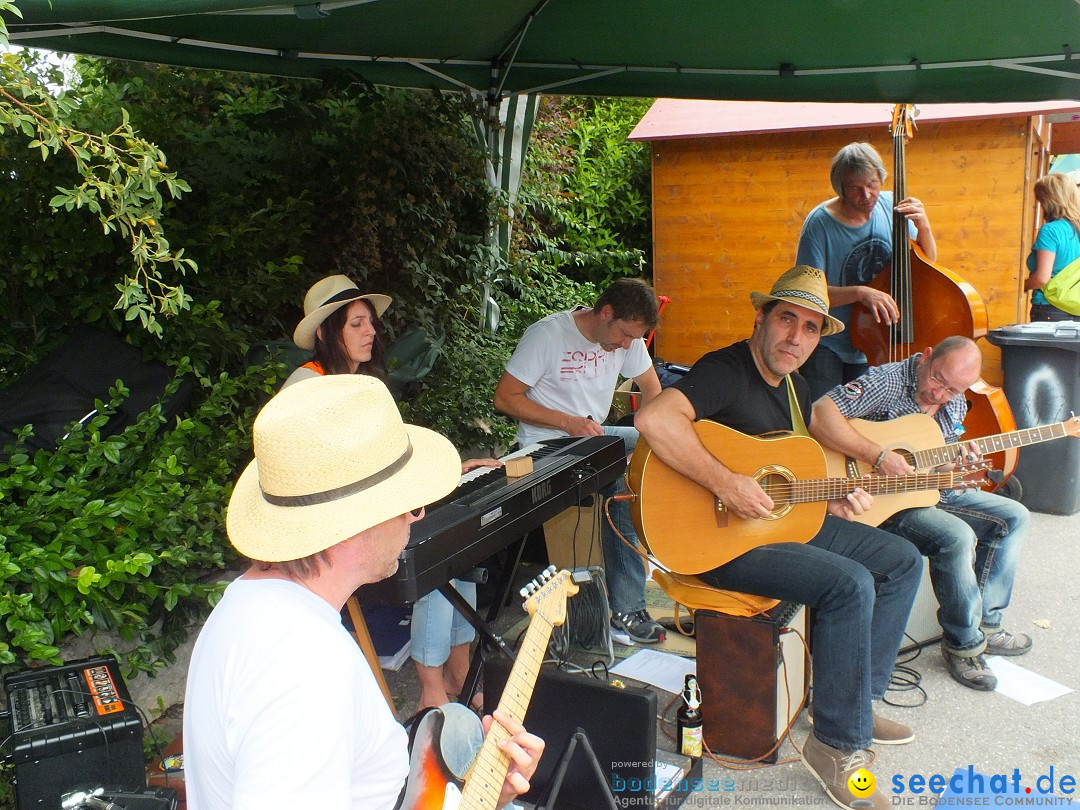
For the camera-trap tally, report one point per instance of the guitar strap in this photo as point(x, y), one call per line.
point(798, 426)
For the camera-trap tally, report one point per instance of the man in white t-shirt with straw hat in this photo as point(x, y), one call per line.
point(282, 709)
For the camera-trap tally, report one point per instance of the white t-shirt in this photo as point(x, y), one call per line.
point(283, 711)
point(567, 372)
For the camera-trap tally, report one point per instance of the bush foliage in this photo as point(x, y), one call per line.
point(289, 181)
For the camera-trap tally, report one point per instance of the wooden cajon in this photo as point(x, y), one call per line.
point(752, 678)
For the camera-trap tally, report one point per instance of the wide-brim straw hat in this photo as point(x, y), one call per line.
point(325, 296)
point(333, 458)
point(806, 287)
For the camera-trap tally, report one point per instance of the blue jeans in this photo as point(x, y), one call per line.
point(860, 582)
point(973, 540)
point(437, 626)
point(824, 370)
point(623, 568)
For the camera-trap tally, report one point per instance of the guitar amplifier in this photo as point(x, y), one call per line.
point(620, 725)
point(71, 726)
point(752, 677)
point(922, 626)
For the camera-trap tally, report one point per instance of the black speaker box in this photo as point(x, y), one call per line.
point(620, 724)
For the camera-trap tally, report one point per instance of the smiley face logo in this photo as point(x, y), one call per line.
point(861, 783)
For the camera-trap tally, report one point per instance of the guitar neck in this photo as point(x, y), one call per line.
point(946, 454)
point(485, 781)
point(830, 489)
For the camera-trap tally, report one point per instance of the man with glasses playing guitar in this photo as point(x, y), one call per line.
point(972, 537)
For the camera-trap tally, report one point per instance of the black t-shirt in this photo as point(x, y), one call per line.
point(726, 387)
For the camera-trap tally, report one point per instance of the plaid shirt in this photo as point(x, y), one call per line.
point(888, 392)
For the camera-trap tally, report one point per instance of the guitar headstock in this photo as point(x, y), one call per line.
point(903, 121)
point(1072, 425)
point(972, 477)
point(547, 594)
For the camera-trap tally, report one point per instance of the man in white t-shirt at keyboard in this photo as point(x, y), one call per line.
point(560, 382)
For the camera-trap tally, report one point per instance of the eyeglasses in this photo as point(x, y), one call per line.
point(940, 383)
point(417, 513)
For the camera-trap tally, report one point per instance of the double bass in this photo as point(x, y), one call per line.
point(934, 303)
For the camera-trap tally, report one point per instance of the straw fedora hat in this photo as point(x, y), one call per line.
point(806, 287)
point(333, 458)
point(325, 296)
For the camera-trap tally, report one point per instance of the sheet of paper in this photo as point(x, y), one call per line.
point(1023, 685)
point(662, 670)
point(667, 776)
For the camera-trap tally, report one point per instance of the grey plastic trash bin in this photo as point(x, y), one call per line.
point(1041, 365)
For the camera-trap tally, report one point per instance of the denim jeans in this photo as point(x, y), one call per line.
point(824, 370)
point(973, 540)
point(860, 582)
point(1048, 312)
point(437, 626)
point(623, 568)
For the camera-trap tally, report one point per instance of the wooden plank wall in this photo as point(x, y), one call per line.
point(727, 213)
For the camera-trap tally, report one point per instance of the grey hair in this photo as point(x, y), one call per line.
point(859, 159)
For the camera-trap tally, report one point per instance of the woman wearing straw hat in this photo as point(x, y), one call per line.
point(281, 708)
point(341, 328)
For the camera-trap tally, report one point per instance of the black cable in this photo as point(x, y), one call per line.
point(905, 678)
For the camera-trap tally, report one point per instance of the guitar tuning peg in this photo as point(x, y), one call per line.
point(524, 592)
point(550, 570)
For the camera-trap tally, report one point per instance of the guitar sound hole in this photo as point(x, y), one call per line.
point(778, 488)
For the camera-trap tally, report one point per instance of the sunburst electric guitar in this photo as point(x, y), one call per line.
point(448, 746)
point(917, 437)
point(689, 530)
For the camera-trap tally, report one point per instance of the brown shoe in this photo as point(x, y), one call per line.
point(886, 731)
point(889, 732)
point(833, 767)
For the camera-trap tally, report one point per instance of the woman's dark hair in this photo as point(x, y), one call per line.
point(330, 351)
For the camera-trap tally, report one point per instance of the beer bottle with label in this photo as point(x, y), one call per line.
point(688, 719)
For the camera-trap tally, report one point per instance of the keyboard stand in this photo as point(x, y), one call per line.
point(483, 625)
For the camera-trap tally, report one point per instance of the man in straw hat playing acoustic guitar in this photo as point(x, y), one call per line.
point(281, 708)
point(860, 581)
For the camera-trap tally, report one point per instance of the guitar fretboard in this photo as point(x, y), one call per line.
point(485, 781)
point(828, 489)
point(947, 454)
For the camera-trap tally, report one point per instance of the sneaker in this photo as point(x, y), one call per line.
point(971, 672)
point(833, 767)
point(886, 731)
point(1005, 643)
point(626, 628)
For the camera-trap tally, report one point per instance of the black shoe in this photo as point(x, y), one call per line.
point(637, 626)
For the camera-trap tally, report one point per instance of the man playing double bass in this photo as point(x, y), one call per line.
point(972, 537)
point(850, 237)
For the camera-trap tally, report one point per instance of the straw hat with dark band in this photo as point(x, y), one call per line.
point(325, 296)
point(333, 458)
point(806, 287)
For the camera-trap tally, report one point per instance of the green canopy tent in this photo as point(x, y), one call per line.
point(820, 50)
point(805, 50)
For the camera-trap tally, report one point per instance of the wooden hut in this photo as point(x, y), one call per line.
point(733, 181)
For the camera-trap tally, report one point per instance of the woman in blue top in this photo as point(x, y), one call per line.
point(1057, 244)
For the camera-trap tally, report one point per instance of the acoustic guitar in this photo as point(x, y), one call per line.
point(448, 747)
point(687, 529)
point(917, 437)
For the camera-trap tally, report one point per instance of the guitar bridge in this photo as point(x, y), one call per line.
point(721, 514)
